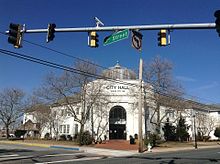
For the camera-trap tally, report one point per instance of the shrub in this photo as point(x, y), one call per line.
point(75, 137)
point(135, 136)
point(86, 138)
point(19, 133)
point(132, 139)
point(69, 137)
point(182, 130)
point(153, 139)
point(217, 132)
point(62, 137)
point(47, 136)
point(169, 131)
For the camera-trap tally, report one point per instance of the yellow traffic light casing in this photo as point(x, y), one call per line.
point(15, 35)
point(93, 39)
point(162, 38)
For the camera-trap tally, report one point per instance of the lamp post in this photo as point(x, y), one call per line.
point(194, 116)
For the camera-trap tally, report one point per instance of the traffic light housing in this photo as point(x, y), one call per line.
point(93, 39)
point(162, 37)
point(217, 21)
point(50, 32)
point(15, 35)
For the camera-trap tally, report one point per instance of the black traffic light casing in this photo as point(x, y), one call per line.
point(162, 37)
point(93, 39)
point(50, 32)
point(15, 35)
point(217, 21)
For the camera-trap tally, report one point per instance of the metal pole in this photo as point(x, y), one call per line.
point(195, 132)
point(133, 27)
point(140, 133)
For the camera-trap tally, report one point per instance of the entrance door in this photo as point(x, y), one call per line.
point(117, 131)
point(117, 123)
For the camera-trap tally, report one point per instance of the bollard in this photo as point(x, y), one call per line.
point(149, 147)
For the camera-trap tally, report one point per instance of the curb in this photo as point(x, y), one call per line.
point(65, 148)
point(41, 145)
point(27, 144)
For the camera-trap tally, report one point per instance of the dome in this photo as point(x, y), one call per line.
point(118, 72)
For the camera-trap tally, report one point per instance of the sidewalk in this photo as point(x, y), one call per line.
point(109, 152)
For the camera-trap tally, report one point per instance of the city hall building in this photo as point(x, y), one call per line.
point(115, 113)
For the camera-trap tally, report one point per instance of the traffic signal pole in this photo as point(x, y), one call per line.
point(135, 27)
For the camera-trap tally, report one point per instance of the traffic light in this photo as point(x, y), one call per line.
point(162, 38)
point(50, 32)
point(93, 39)
point(217, 21)
point(15, 35)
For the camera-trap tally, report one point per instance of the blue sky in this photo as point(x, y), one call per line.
point(195, 54)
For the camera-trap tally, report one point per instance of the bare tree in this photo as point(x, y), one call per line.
point(70, 90)
point(205, 124)
point(167, 91)
point(11, 107)
point(41, 114)
point(97, 102)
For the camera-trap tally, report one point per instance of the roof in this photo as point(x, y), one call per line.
point(67, 100)
point(118, 72)
point(29, 125)
point(205, 107)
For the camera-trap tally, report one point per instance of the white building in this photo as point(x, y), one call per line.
point(115, 113)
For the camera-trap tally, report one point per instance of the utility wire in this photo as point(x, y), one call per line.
point(106, 68)
point(60, 66)
point(66, 68)
point(71, 56)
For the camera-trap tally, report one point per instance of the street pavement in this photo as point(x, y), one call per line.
point(200, 156)
point(26, 154)
point(18, 152)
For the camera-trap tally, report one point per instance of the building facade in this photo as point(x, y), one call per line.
point(114, 110)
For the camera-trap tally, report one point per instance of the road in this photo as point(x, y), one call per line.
point(203, 156)
point(16, 154)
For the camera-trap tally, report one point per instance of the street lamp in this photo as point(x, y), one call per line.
point(194, 116)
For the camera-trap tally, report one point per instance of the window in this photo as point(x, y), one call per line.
point(64, 128)
point(54, 113)
point(62, 112)
point(88, 113)
point(77, 110)
point(60, 129)
point(68, 129)
point(170, 113)
point(76, 128)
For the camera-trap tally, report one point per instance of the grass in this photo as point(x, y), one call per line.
point(186, 144)
point(51, 142)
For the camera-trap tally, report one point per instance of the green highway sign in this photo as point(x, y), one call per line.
point(120, 35)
